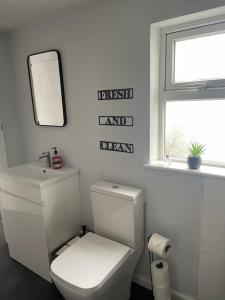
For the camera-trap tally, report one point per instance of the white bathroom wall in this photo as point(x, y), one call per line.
point(8, 110)
point(212, 242)
point(105, 45)
point(10, 137)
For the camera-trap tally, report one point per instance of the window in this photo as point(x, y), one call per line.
point(200, 59)
point(195, 57)
point(203, 121)
point(192, 91)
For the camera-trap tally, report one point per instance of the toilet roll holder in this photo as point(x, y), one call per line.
point(151, 258)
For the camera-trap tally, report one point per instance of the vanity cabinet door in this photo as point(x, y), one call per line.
point(26, 233)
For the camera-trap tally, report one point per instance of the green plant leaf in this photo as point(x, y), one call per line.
point(196, 149)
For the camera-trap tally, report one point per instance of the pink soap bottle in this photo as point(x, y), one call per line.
point(56, 159)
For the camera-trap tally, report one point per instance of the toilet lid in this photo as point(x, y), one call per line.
point(89, 262)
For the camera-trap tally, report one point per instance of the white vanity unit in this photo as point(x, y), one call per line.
point(40, 211)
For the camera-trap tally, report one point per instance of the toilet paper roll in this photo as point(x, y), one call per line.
point(160, 273)
point(162, 292)
point(159, 245)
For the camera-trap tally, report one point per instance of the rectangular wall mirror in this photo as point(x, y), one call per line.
point(47, 91)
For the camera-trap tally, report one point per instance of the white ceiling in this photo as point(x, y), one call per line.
point(15, 14)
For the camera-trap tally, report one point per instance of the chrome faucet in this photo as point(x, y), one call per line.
point(47, 157)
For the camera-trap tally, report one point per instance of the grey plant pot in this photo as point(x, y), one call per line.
point(194, 162)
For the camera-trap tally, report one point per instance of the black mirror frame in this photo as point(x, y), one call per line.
point(61, 83)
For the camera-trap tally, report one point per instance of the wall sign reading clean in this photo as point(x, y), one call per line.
point(115, 120)
point(116, 94)
point(118, 147)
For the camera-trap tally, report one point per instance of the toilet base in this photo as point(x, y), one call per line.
point(107, 293)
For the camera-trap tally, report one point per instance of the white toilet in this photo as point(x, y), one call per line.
point(100, 265)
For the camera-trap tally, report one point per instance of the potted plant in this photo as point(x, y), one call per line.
point(194, 159)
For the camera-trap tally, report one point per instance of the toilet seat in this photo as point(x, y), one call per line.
point(88, 263)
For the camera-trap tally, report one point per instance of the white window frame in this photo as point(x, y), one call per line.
point(162, 88)
point(171, 38)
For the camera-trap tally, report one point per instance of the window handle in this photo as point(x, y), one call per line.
point(197, 85)
point(203, 86)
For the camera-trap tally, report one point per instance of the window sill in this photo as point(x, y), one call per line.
point(204, 171)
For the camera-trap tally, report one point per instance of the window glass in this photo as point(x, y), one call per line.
point(200, 58)
point(200, 120)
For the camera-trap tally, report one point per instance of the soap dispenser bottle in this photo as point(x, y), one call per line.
point(56, 159)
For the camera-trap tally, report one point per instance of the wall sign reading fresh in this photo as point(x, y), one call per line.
point(116, 94)
point(116, 120)
point(118, 147)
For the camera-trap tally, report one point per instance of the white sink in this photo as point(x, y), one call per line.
point(36, 174)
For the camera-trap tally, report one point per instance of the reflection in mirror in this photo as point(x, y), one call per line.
point(46, 82)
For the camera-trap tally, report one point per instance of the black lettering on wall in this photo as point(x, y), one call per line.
point(116, 120)
point(117, 147)
point(116, 94)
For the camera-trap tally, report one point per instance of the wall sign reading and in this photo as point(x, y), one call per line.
point(116, 94)
point(118, 147)
point(115, 120)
